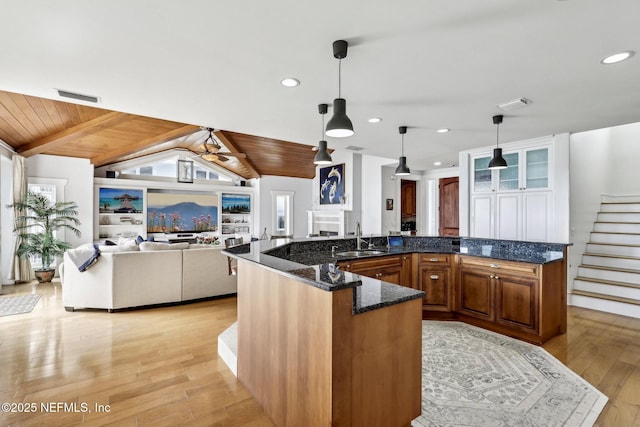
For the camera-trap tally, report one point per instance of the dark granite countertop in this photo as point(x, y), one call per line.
point(311, 261)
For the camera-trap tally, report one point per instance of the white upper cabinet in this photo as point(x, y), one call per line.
point(515, 203)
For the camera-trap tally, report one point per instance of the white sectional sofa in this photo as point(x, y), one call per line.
point(153, 273)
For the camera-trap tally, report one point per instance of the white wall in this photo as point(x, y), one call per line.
point(301, 202)
point(603, 161)
point(390, 187)
point(373, 202)
point(78, 174)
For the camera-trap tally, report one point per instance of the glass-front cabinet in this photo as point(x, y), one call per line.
point(514, 203)
point(526, 170)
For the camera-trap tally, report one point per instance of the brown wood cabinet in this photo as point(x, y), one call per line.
point(515, 298)
point(387, 268)
point(434, 278)
point(519, 299)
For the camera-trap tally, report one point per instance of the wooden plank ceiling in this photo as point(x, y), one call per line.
point(32, 125)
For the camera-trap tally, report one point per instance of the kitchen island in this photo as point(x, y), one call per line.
point(318, 345)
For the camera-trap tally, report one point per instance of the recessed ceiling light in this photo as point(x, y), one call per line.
point(617, 57)
point(437, 163)
point(375, 120)
point(443, 130)
point(290, 82)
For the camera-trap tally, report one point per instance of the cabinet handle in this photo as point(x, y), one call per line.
point(433, 259)
point(434, 277)
point(405, 257)
point(378, 274)
point(491, 277)
point(496, 277)
point(494, 266)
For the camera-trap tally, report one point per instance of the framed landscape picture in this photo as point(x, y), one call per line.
point(332, 185)
point(120, 200)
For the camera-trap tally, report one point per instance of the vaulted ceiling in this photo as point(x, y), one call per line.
point(426, 64)
point(32, 125)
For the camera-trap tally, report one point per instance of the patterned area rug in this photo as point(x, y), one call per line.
point(18, 304)
point(474, 377)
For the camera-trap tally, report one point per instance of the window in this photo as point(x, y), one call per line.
point(50, 191)
point(282, 212)
point(167, 168)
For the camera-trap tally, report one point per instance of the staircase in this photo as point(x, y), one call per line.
point(609, 277)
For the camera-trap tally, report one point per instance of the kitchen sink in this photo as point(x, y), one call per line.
point(364, 252)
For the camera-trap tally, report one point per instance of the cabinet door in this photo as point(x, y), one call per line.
point(387, 274)
point(436, 284)
point(482, 213)
point(517, 302)
point(536, 174)
point(476, 294)
point(508, 216)
point(509, 178)
point(407, 264)
point(482, 176)
point(408, 198)
point(537, 216)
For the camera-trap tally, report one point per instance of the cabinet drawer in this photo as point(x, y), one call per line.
point(374, 262)
point(435, 259)
point(513, 267)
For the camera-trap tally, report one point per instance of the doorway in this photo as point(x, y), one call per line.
point(449, 206)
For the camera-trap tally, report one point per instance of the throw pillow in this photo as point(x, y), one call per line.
point(139, 239)
point(109, 243)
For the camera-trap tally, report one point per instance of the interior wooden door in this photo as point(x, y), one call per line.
point(449, 207)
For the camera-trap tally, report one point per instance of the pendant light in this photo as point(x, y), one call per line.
point(322, 156)
point(402, 168)
point(497, 162)
point(340, 125)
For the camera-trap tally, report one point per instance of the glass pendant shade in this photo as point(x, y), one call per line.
point(402, 168)
point(340, 125)
point(322, 156)
point(497, 162)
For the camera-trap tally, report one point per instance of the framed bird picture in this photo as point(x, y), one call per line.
point(332, 185)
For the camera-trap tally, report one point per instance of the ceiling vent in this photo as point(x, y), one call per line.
point(514, 104)
point(78, 96)
point(354, 148)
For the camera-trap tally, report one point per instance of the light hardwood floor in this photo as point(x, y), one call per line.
point(160, 366)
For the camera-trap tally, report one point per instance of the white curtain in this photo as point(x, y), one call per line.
point(22, 271)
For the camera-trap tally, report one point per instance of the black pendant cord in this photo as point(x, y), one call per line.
point(402, 145)
point(497, 135)
point(340, 78)
point(322, 128)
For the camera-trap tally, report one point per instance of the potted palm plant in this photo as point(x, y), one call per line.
point(36, 228)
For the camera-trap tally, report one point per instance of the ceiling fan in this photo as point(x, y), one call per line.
point(210, 149)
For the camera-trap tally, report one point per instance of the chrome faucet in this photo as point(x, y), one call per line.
point(359, 238)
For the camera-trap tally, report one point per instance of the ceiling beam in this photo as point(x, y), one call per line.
point(73, 133)
point(232, 148)
point(112, 155)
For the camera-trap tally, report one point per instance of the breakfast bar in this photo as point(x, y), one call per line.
point(319, 345)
